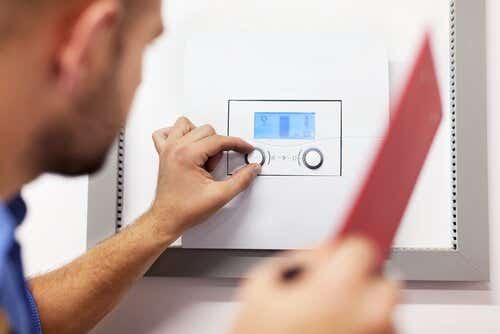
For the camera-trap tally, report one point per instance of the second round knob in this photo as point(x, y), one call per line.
point(313, 158)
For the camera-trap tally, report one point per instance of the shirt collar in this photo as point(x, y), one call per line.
point(17, 208)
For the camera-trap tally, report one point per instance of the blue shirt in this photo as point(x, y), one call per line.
point(16, 301)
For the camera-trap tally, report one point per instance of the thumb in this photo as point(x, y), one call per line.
point(240, 181)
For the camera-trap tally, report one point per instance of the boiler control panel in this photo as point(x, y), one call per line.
point(291, 138)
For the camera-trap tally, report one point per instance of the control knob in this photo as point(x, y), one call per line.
point(256, 157)
point(313, 158)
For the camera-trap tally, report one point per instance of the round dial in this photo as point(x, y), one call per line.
point(256, 157)
point(313, 158)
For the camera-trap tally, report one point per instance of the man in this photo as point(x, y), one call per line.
point(69, 70)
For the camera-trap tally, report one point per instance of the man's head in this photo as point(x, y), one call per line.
point(68, 72)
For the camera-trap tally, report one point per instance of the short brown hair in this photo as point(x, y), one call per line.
point(15, 13)
point(17, 16)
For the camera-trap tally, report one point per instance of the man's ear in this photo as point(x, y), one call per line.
point(96, 19)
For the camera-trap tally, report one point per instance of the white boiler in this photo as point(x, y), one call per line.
point(314, 106)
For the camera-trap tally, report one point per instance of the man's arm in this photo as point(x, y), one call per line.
point(76, 297)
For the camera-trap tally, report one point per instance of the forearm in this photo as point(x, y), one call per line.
point(76, 297)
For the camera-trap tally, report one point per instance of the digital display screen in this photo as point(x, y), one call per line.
point(284, 125)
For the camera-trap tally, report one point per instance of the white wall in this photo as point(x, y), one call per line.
point(55, 230)
point(55, 233)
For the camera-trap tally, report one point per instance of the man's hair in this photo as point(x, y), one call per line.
point(18, 16)
point(6, 19)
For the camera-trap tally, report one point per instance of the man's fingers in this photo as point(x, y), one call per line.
point(213, 145)
point(181, 127)
point(199, 133)
point(357, 258)
point(384, 291)
point(212, 162)
point(379, 300)
point(160, 138)
point(276, 266)
point(238, 182)
point(270, 274)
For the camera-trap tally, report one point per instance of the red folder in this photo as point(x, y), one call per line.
point(384, 196)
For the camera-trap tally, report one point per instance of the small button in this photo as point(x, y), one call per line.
point(313, 158)
point(256, 157)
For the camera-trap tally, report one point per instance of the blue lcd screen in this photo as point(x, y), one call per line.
point(284, 125)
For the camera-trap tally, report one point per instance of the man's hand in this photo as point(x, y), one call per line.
point(187, 194)
point(330, 290)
